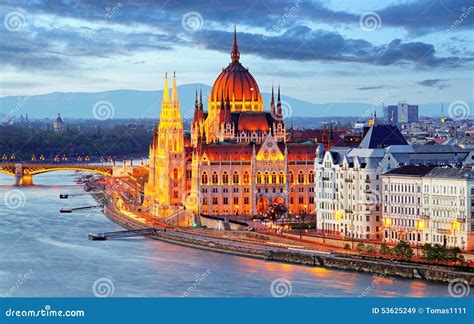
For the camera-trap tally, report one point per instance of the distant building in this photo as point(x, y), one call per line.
point(427, 204)
point(58, 124)
point(348, 180)
point(403, 113)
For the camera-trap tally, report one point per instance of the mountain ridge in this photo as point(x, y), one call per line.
point(128, 103)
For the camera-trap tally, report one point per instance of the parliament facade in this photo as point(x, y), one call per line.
point(238, 159)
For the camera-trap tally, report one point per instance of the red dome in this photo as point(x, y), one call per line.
point(235, 82)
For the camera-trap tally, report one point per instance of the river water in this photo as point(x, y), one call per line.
point(47, 254)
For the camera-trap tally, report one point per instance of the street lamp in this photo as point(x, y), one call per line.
point(420, 226)
point(455, 226)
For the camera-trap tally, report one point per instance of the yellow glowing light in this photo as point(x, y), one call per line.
point(387, 221)
point(456, 226)
point(420, 225)
point(339, 215)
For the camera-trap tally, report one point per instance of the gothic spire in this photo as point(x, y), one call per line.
point(201, 107)
point(235, 55)
point(174, 90)
point(272, 103)
point(279, 112)
point(166, 93)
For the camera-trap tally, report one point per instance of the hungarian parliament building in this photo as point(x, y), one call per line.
point(238, 159)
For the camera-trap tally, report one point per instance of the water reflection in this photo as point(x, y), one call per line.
point(65, 263)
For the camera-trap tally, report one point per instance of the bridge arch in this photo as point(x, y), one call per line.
point(103, 171)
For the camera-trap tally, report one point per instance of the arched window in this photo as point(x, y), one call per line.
point(246, 178)
point(259, 177)
point(235, 178)
point(204, 178)
point(281, 177)
point(266, 177)
point(311, 177)
point(301, 177)
point(274, 177)
point(215, 178)
point(225, 177)
point(292, 177)
point(175, 173)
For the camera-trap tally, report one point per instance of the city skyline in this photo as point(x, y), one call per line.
point(312, 49)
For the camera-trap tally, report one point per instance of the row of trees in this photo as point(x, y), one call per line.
point(404, 251)
point(80, 140)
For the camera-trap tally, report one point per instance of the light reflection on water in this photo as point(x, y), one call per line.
point(65, 263)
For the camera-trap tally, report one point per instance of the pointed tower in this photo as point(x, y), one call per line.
point(164, 195)
point(279, 111)
point(272, 104)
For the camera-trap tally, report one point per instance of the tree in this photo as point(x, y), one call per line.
point(370, 249)
point(360, 247)
point(385, 249)
point(403, 250)
point(452, 254)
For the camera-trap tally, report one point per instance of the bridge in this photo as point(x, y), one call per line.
point(24, 172)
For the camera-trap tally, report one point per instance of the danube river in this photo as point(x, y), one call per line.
point(45, 253)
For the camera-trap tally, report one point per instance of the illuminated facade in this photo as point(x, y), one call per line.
point(238, 160)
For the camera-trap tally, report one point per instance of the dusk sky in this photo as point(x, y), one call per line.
point(320, 51)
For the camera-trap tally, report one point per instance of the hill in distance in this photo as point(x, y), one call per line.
point(147, 104)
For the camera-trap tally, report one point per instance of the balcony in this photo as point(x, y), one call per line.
point(348, 211)
point(347, 180)
point(325, 178)
point(367, 180)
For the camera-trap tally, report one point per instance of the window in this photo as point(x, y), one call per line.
point(274, 177)
point(225, 177)
point(246, 200)
point(311, 177)
point(236, 200)
point(175, 173)
point(214, 201)
point(259, 177)
point(246, 178)
point(225, 200)
point(204, 178)
point(215, 178)
point(292, 177)
point(281, 177)
point(235, 178)
point(301, 177)
point(266, 177)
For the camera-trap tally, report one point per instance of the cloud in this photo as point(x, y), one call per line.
point(434, 83)
point(70, 30)
point(303, 44)
point(373, 88)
